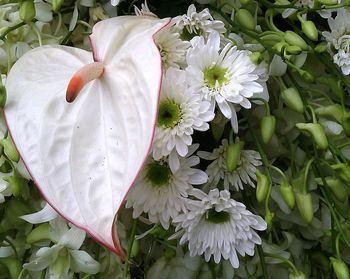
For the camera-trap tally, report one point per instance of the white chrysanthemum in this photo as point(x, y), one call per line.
point(218, 226)
point(244, 174)
point(180, 113)
point(162, 193)
point(144, 11)
point(339, 39)
point(197, 24)
point(226, 77)
point(172, 49)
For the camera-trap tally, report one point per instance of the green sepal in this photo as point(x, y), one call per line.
point(245, 19)
point(287, 194)
point(233, 155)
point(304, 204)
point(309, 29)
point(41, 232)
point(321, 47)
point(317, 133)
point(267, 128)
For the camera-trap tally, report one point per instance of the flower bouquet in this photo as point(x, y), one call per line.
point(174, 139)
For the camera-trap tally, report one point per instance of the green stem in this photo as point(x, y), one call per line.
point(337, 246)
point(128, 253)
point(279, 171)
point(305, 190)
point(266, 104)
point(288, 262)
point(11, 28)
point(262, 261)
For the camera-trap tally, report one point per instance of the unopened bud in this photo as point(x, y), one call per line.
point(3, 96)
point(309, 30)
point(292, 99)
point(304, 203)
point(338, 188)
point(305, 75)
point(268, 219)
point(56, 5)
point(41, 232)
point(15, 182)
point(342, 171)
point(287, 194)
point(267, 128)
point(297, 275)
point(321, 47)
point(334, 111)
point(262, 186)
point(317, 133)
point(10, 149)
point(327, 2)
point(233, 155)
point(345, 122)
point(294, 39)
point(293, 50)
point(340, 268)
point(245, 19)
point(135, 248)
point(27, 10)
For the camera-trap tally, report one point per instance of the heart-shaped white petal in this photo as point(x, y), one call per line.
point(84, 156)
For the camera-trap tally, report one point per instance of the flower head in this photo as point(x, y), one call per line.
point(226, 77)
point(180, 113)
point(244, 174)
point(161, 192)
point(216, 225)
point(197, 24)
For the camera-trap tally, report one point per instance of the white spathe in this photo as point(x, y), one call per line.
point(85, 156)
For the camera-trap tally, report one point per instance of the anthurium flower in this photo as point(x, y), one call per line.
point(85, 155)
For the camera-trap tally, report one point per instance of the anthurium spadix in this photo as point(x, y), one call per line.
point(85, 155)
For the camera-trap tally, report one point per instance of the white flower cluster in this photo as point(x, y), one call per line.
point(201, 73)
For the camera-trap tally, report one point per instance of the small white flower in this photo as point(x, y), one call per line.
point(217, 170)
point(339, 39)
point(161, 192)
point(180, 113)
point(197, 24)
point(218, 226)
point(172, 49)
point(144, 11)
point(300, 3)
point(226, 77)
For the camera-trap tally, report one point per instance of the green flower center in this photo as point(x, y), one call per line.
point(169, 114)
point(215, 75)
point(215, 217)
point(158, 173)
point(187, 36)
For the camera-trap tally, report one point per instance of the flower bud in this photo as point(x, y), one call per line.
point(334, 111)
point(244, 2)
point(305, 75)
point(304, 203)
point(10, 149)
point(270, 39)
point(27, 10)
point(267, 128)
point(279, 46)
point(317, 133)
point(287, 194)
point(292, 99)
point(3, 96)
point(56, 5)
point(327, 2)
point(245, 19)
point(294, 39)
point(255, 57)
point(15, 182)
point(338, 188)
point(309, 30)
point(135, 249)
point(333, 83)
point(293, 50)
point(233, 155)
point(41, 232)
point(345, 122)
point(262, 186)
point(340, 268)
point(321, 47)
point(13, 266)
point(297, 275)
point(342, 171)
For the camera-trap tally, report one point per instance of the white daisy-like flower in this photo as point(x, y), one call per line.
point(218, 226)
point(144, 11)
point(197, 24)
point(244, 173)
point(226, 77)
point(161, 192)
point(180, 113)
point(339, 39)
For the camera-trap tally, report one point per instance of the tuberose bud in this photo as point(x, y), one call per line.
point(292, 99)
point(340, 268)
point(317, 133)
point(309, 30)
point(342, 171)
point(56, 5)
point(334, 111)
point(287, 194)
point(294, 39)
point(245, 19)
point(262, 186)
point(27, 10)
point(338, 188)
point(267, 128)
point(10, 149)
point(327, 2)
point(321, 47)
point(233, 155)
point(304, 203)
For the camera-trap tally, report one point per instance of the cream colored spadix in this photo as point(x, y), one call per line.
point(84, 156)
